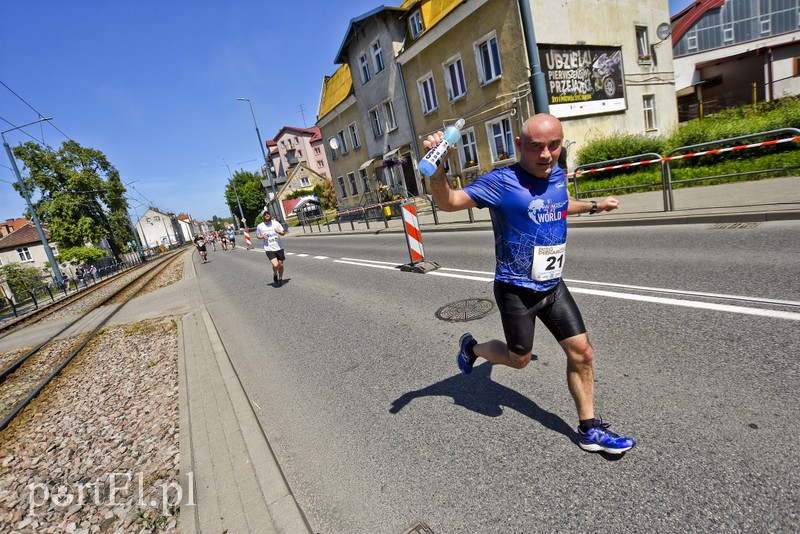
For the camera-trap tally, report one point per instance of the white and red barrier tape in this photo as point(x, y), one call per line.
point(686, 156)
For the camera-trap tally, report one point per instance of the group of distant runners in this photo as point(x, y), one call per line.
point(269, 230)
point(225, 237)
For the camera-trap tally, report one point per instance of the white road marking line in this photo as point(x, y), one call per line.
point(693, 293)
point(320, 257)
point(377, 265)
point(792, 316)
point(370, 261)
point(302, 255)
point(489, 277)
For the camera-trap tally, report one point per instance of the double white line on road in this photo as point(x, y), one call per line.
point(482, 276)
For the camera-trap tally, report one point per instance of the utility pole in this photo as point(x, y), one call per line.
point(268, 169)
point(536, 79)
point(50, 256)
point(241, 214)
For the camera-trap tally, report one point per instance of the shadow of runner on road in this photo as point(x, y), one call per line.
point(479, 393)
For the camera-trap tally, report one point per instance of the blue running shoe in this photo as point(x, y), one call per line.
point(465, 361)
point(600, 438)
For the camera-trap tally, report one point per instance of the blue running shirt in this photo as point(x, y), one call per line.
point(529, 214)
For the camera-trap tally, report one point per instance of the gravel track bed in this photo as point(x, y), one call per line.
point(98, 450)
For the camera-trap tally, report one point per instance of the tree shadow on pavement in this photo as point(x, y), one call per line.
point(479, 393)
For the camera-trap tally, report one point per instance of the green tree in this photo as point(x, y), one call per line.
point(20, 278)
point(328, 196)
point(81, 195)
point(251, 195)
point(79, 255)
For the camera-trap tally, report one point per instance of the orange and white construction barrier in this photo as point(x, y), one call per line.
point(416, 252)
point(247, 239)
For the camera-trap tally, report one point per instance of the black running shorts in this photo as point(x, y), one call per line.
point(519, 308)
point(272, 254)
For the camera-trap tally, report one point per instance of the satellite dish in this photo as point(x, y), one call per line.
point(334, 143)
point(664, 30)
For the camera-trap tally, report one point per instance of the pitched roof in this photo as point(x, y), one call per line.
point(12, 224)
point(352, 30)
point(335, 89)
point(313, 132)
point(684, 20)
point(27, 235)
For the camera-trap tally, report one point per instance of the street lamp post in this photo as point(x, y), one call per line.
point(241, 214)
point(274, 199)
point(50, 257)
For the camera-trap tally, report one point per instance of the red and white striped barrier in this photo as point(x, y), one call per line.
point(247, 239)
point(408, 212)
point(686, 156)
point(413, 235)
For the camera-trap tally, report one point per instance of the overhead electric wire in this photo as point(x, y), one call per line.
point(35, 111)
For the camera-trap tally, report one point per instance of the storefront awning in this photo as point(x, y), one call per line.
point(366, 164)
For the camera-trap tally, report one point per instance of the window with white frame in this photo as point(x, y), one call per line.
point(468, 149)
point(317, 151)
point(388, 112)
point(643, 44)
point(363, 67)
point(353, 187)
point(342, 189)
point(454, 78)
point(415, 23)
point(364, 180)
point(375, 120)
point(24, 254)
point(649, 106)
point(305, 181)
point(342, 142)
point(354, 135)
point(501, 139)
point(427, 93)
point(320, 164)
point(691, 40)
point(487, 57)
point(377, 57)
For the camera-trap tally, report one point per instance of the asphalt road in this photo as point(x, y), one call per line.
point(354, 381)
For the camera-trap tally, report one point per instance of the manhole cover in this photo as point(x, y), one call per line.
point(465, 310)
point(419, 528)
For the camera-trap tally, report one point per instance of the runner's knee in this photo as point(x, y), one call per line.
point(519, 361)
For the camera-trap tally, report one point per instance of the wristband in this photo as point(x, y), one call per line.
point(594, 207)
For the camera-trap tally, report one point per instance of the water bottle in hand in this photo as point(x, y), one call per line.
point(433, 158)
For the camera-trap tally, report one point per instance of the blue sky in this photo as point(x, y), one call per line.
point(153, 85)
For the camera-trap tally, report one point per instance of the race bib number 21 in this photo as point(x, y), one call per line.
point(548, 262)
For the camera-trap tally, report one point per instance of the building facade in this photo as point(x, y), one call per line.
point(605, 66)
point(735, 52)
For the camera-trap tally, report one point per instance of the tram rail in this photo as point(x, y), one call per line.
point(25, 377)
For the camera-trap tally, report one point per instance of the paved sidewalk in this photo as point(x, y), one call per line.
point(227, 466)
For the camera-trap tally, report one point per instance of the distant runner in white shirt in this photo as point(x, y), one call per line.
point(271, 231)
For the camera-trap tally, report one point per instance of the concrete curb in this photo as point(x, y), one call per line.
point(230, 476)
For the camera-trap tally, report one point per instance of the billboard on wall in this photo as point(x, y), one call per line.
point(582, 79)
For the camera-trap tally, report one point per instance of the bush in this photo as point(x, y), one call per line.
point(618, 146)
